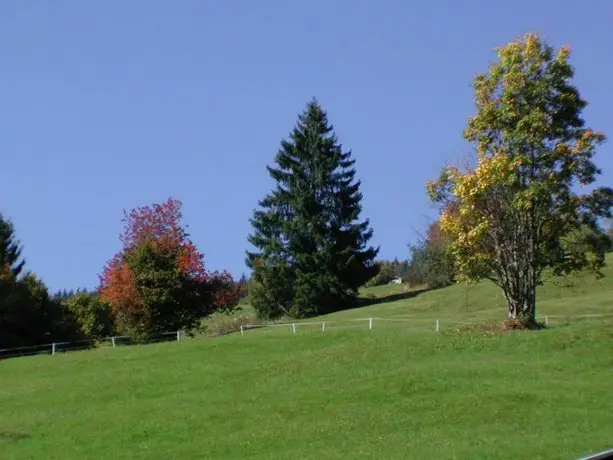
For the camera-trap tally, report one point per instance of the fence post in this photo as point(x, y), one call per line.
point(242, 330)
point(369, 324)
point(113, 341)
point(178, 335)
point(546, 320)
point(323, 326)
point(294, 327)
point(437, 326)
point(53, 349)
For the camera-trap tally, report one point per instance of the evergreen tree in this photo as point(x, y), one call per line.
point(28, 315)
point(312, 251)
point(10, 249)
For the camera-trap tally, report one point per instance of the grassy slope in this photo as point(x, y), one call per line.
point(347, 393)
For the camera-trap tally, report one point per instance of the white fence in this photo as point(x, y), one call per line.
point(58, 347)
point(412, 323)
point(416, 325)
point(294, 325)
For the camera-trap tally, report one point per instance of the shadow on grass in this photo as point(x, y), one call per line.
point(13, 435)
point(369, 301)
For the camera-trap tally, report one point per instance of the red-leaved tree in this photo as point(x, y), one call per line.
point(158, 280)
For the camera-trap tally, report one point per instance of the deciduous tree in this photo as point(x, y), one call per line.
point(158, 281)
point(91, 314)
point(432, 262)
point(519, 205)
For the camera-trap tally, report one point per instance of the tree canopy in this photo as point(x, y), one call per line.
point(158, 282)
point(519, 205)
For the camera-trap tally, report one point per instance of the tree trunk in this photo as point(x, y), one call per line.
point(522, 302)
point(513, 308)
point(529, 308)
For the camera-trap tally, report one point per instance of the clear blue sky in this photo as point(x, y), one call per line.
point(107, 105)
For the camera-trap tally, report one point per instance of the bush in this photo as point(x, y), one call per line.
point(92, 315)
point(221, 323)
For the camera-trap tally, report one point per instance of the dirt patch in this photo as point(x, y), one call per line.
point(12, 435)
point(505, 326)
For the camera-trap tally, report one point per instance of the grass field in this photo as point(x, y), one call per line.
point(398, 391)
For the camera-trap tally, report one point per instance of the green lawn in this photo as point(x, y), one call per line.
point(398, 391)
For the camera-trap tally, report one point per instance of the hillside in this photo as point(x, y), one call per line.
point(561, 300)
point(398, 391)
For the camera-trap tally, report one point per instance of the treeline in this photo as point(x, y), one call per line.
point(430, 263)
point(388, 271)
point(28, 314)
point(156, 284)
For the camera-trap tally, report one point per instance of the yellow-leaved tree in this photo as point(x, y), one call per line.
point(520, 212)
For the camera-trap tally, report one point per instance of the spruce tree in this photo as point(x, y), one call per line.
point(312, 250)
point(10, 249)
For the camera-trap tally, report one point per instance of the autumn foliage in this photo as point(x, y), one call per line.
point(158, 280)
point(518, 207)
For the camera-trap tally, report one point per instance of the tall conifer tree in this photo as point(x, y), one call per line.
point(312, 250)
point(10, 249)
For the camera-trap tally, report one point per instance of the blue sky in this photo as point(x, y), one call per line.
point(108, 105)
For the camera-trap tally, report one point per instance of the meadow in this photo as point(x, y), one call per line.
point(400, 390)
